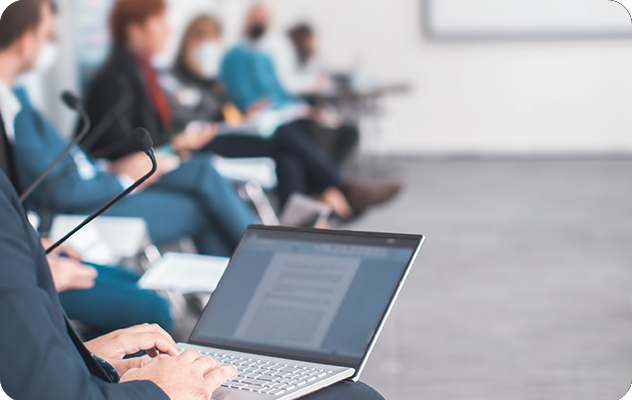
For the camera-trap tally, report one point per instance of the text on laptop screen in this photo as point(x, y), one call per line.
point(313, 296)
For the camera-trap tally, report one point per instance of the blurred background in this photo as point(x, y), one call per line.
point(528, 83)
point(509, 122)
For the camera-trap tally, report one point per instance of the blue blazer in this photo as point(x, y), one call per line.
point(249, 75)
point(69, 188)
point(41, 356)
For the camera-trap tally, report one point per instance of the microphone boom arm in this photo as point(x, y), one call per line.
point(154, 167)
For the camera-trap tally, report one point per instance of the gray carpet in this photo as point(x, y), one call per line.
point(522, 290)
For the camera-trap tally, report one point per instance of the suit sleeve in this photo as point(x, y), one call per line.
point(66, 189)
point(37, 357)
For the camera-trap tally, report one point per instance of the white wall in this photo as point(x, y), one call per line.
point(480, 97)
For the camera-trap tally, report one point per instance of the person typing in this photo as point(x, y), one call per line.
point(41, 354)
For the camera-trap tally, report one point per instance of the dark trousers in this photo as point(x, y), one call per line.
point(301, 166)
point(345, 391)
point(337, 143)
point(192, 201)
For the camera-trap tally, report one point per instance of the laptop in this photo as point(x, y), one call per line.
point(298, 310)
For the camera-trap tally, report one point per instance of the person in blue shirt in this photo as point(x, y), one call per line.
point(192, 201)
point(251, 78)
point(308, 155)
point(248, 72)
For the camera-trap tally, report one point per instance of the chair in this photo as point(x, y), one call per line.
point(255, 176)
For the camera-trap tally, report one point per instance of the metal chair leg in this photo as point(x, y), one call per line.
point(262, 204)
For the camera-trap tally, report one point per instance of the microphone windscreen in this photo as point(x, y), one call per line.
point(71, 100)
point(143, 139)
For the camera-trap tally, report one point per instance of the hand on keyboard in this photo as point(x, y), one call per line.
point(186, 377)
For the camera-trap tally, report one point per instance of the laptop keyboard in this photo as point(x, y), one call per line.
point(266, 377)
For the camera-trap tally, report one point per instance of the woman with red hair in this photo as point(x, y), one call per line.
point(216, 217)
point(138, 31)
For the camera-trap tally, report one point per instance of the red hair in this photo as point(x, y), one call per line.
point(130, 12)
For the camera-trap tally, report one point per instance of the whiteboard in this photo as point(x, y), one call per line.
point(463, 19)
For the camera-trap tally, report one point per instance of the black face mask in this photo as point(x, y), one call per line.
point(257, 31)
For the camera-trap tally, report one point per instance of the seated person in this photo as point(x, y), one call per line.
point(301, 167)
point(304, 75)
point(192, 201)
point(139, 31)
point(41, 356)
point(252, 84)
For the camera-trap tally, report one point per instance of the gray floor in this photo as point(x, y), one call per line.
point(522, 290)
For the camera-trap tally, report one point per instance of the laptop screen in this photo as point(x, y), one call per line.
point(309, 295)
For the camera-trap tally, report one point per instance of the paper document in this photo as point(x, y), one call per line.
point(186, 273)
point(297, 300)
point(266, 122)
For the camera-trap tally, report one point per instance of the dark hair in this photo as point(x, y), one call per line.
point(299, 34)
point(199, 28)
point(301, 31)
point(19, 18)
point(130, 12)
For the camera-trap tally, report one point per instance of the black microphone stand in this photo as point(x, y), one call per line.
point(154, 167)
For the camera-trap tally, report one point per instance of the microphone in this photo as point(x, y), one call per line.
point(72, 102)
point(145, 144)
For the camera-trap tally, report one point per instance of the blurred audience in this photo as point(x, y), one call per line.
point(252, 84)
point(139, 31)
point(197, 203)
point(195, 95)
point(102, 298)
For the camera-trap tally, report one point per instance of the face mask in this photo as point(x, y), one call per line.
point(209, 56)
point(47, 57)
point(257, 31)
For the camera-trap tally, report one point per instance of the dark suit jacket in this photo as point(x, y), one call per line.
point(119, 79)
point(41, 356)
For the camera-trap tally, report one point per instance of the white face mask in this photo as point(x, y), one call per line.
point(47, 58)
point(209, 56)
